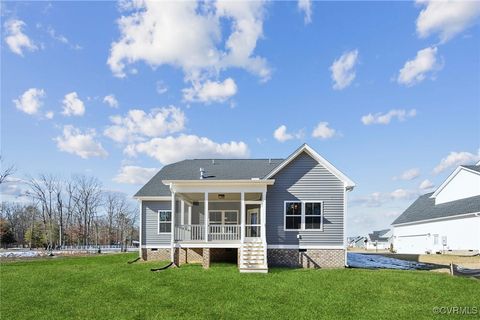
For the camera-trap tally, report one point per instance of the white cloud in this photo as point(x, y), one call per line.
point(80, 143)
point(111, 101)
point(30, 101)
point(322, 131)
point(49, 115)
point(187, 35)
point(447, 18)
point(161, 87)
point(386, 118)
point(306, 7)
point(61, 38)
point(403, 194)
point(171, 149)
point(16, 40)
point(426, 184)
point(409, 174)
point(210, 91)
point(134, 175)
point(416, 70)
point(282, 135)
point(72, 105)
point(454, 159)
point(343, 70)
point(138, 124)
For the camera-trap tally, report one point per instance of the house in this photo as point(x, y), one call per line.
point(379, 240)
point(357, 242)
point(261, 212)
point(445, 220)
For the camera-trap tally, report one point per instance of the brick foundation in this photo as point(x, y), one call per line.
point(206, 258)
point(156, 254)
point(310, 258)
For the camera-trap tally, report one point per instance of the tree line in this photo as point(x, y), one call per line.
point(64, 212)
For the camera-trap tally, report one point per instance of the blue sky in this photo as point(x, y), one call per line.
point(386, 91)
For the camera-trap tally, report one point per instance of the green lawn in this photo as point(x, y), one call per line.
point(106, 287)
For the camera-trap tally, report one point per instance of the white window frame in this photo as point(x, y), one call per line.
point(302, 216)
point(285, 215)
point(164, 222)
point(223, 217)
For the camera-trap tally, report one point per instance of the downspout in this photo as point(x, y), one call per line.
point(345, 244)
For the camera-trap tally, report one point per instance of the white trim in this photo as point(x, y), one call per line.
point(204, 182)
point(172, 240)
point(152, 246)
point(242, 217)
point(206, 215)
point(140, 230)
point(208, 245)
point(450, 178)
point(306, 148)
point(345, 242)
point(159, 198)
point(164, 222)
point(296, 246)
point(458, 216)
point(303, 215)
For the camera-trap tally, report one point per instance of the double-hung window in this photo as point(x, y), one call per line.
point(313, 215)
point(303, 215)
point(164, 221)
point(293, 215)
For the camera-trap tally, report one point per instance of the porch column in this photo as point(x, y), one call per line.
point(206, 216)
point(189, 214)
point(242, 217)
point(182, 215)
point(263, 216)
point(172, 208)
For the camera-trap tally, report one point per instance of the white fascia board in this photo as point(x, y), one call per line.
point(206, 182)
point(349, 184)
point(154, 198)
point(458, 216)
point(450, 178)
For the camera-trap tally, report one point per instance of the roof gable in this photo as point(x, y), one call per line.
point(312, 153)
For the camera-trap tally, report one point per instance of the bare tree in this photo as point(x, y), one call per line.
point(5, 171)
point(88, 197)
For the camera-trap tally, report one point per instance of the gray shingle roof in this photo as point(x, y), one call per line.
point(216, 169)
point(474, 168)
point(378, 235)
point(424, 208)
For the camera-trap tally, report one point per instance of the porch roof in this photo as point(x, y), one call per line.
point(215, 170)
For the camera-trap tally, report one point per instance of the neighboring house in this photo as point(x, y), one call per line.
point(358, 242)
point(379, 240)
point(445, 220)
point(261, 212)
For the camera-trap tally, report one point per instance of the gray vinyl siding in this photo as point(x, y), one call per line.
point(150, 235)
point(305, 179)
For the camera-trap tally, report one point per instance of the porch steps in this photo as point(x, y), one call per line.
point(252, 257)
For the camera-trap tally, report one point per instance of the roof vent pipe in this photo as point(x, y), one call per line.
point(202, 173)
point(213, 161)
point(269, 161)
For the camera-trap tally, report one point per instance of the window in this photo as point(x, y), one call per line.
point(303, 215)
point(164, 221)
point(435, 239)
point(219, 217)
point(313, 215)
point(293, 215)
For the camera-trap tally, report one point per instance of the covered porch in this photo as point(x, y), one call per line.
point(216, 214)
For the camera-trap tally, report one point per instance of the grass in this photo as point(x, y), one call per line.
point(106, 287)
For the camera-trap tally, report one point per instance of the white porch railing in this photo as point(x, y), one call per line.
point(229, 232)
point(196, 232)
point(253, 230)
point(190, 232)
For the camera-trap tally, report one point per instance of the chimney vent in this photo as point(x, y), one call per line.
point(202, 173)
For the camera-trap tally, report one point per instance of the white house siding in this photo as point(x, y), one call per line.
point(459, 233)
point(304, 179)
point(464, 185)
